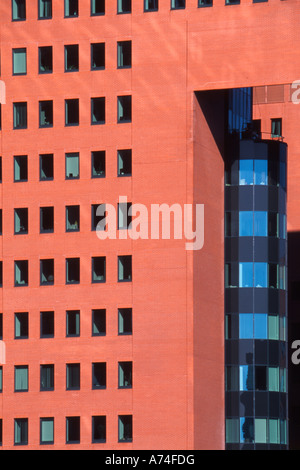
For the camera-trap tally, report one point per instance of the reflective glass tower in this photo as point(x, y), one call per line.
point(255, 283)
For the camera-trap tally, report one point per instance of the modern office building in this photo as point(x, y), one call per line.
point(143, 339)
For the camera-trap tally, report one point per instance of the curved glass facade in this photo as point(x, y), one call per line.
point(255, 293)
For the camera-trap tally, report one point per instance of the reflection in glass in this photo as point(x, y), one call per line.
point(273, 379)
point(246, 430)
point(246, 378)
point(246, 275)
point(246, 172)
point(273, 327)
point(261, 172)
point(260, 431)
point(260, 275)
point(232, 378)
point(260, 326)
point(246, 224)
point(260, 224)
point(246, 325)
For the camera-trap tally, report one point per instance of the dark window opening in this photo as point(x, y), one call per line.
point(98, 110)
point(261, 378)
point(21, 378)
point(98, 7)
point(151, 5)
point(73, 430)
point(98, 164)
point(124, 109)
point(99, 322)
point(46, 219)
point(73, 377)
point(47, 377)
point(125, 428)
point(46, 113)
point(0, 221)
point(0, 169)
point(98, 269)
point(72, 218)
point(19, 10)
point(21, 432)
point(73, 271)
point(73, 323)
point(71, 8)
point(98, 56)
point(125, 268)
point(21, 221)
point(99, 375)
point(21, 325)
point(45, 59)
point(45, 9)
point(99, 428)
point(177, 4)
point(98, 216)
point(72, 112)
point(276, 127)
point(20, 115)
point(124, 54)
point(124, 163)
point(47, 324)
point(47, 272)
point(124, 6)
point(124, 217)
point(72, 58)
point(232, 2)
point(125, 374)
point(72, 166)
point(125, 321)
point(295, 291)
point(46, 167)
point(205, 3)
point(20, 168)
point(21, 273)
point(1, 273)
point(1, 326)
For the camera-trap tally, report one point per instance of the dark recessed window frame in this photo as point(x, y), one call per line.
point(98, 160)
point(21, 221)
point(21, 325)
point(47, 377)
point(20, 168)
point(21, 273)
point(72, 323)
point(21, 431)
point(124, 7)
point(44, 9)
point(73, 430)
point(72, 112)
point(21, 385)
point(45, 60)
point(125, 428)
point(205, 3)
point(44, 441)
point(99, 375)
point(71, 8)
point(99, 322)
point(47, 219)
point(98, 56)
point(47, 324)
point(98, 429)
point(46, 167)
point(124, 321)
point(71, 58)
point(72, 218)
point(73, 376)
point(150, 5)
point(124, 109)
point(23, 66)
point(72, 163)
point(47, 272)
point(98, 111)
point(125, 268)
point(98, 269)
point(124, 54)
point(124, 163)
point(72, 271)
point(20, 115)
point(46, 114)
point(177, 4)
point(18, 8)
point(97, 7)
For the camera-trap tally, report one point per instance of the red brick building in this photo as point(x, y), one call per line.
point(100, 103)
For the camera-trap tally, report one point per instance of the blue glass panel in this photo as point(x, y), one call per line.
point(282, 226)
point(246, 325)
point(260, 326)
point(246, 224)
point(260, 224)
point(261, 172)
point(260, 275)
point(246, 172)
point(246, 430)
point(246, 275)
point(246, 378)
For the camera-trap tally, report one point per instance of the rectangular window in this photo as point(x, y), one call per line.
point(124, 54)
point(47, 272)
point(72, 218)
point(72, 58)
point(124, 109)
point(1, 221)
point(260, 378)
point(71, 8)
point(124, 6)
point(232, 378)
point(73, 430)
point(21, 325)
point(124, 219)
point(99, 429)
point(73, 376)
point(177, 4)
point(47, 377)
point(21, 432)
point(1, 326)
point(46, 113)
point(98, 56)
point(125, 428)
point(150, 5)
point(45, 9)
point(1, 273)
point(125, 374)
point(260, 431)
point(125, 162)
point(232, 431)
point(46, 167)
point(18, 10)
point(260, 224)
point(72, 112)
point(99, 322)
point(45, 59)
point(232, 2)
point(260, 275)
point(46, 219)
point(1, 380)
point(246, 275)
point(21, 378)
point(246, 224)
point(20, 168)
point(98, 164)
point(21, 273)
point(246, 173)
point(46, 431)
point(98, 269)
point(98, 375)
point(72, 323)
point(72, 271)
point(97, 7)
point(98, 110)
point(20, 115)
point(98, 216)
point(47, 324)
point(125, 321)
point(72, 166)
point(261, 172)
point(19, 62)
point(276, 127)
point(205, 3)
point(246, 325)
point(246, 378)
point(21, 221)
point(125, 268)
point(273, 379)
